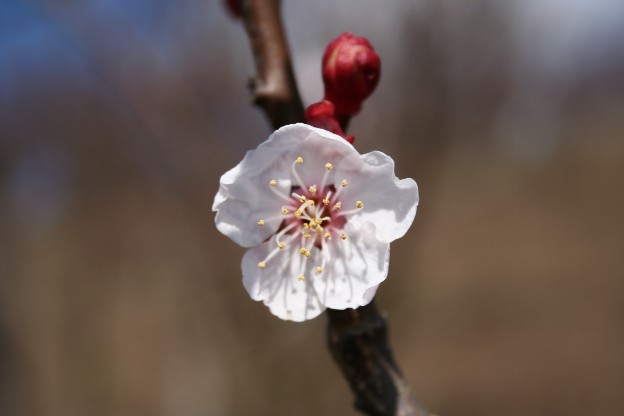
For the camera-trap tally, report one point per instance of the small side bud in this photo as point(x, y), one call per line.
point(322, 115)
point(351, 71)
point(234, 8)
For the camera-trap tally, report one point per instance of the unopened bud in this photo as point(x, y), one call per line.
point(234, 8)
point(321, 115)
point(351, 71)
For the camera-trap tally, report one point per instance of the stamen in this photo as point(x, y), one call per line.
point(280, 244)
point(359, 205)
point(349, 212)
point(302, 210)
point(272, 254)
point(306, 253)
point(285, 211)
point(343, 185)
point(278, 193)
point(328, 168)
point(301, 198)
point(343, 236)
point(325, 203)
point(324, 253)
point(289, 227)
point(261, 223)
point(306, 235)
point(337, 205)
point(273, 182)
point(295, 174)
point(312, 189)
point(327, 236)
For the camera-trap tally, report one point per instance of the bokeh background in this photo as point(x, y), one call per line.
point(119, 297)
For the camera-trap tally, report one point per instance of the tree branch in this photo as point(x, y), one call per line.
point(358, 341)
point(357, 337)
point(274, 88)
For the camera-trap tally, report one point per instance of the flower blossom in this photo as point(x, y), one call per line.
point(318, 219)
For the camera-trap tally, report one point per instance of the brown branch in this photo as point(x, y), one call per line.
point(357, 337)
point(358, 341)
point(274, 89)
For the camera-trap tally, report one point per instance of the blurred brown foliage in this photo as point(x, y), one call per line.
point(119, 297)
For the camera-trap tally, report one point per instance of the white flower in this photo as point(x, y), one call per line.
point(319, 218)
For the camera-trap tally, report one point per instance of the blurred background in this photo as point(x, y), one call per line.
point(119, 297)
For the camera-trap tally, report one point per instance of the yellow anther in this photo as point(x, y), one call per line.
point(337, 205)
point(306, 225)
point(311, 202)
point(281, 245)
point(298, 213)
point(359, 204)
point(304, 251)
point(302, 199)
point(325, 201)
point(301, 278)
point(327, 236)
point(343, 236)
point(261, 265)
point(306, 235)
point(261, 223)
point(312, 223)
point(319, 228)
point(328, 166)
point(319, 269)
point(344, 183)
point(285, 211)
point(299, 160)
point(273, 182)
point(312, 189)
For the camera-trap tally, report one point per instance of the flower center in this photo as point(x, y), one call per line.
point(313, 216)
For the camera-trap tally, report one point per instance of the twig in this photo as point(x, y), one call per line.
point(358, 341)
point(357, 337)
point(274, 89)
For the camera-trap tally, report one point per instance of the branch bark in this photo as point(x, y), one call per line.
point(357, 338)
point(274, 89)
point(358, 341)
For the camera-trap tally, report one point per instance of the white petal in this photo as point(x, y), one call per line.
point(389, 203)
point(277, 284)
point(356, 267)
point(244, 196)
point(316, 146)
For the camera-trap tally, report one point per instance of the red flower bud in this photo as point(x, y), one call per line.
point(321, 115)
point(351, 70)
point(234, 7)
